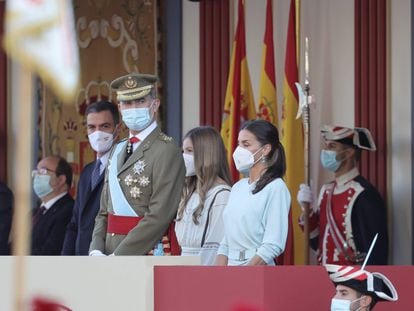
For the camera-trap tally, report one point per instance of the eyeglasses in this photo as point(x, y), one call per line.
point(41, 171)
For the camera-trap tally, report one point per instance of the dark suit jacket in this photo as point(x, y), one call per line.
point(80, 228)
point(6, 211)
point(49, 231)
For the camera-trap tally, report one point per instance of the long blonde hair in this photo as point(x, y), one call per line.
point(209, 162)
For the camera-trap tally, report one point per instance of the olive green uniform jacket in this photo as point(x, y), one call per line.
point(154, 193)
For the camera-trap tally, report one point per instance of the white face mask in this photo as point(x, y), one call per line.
point(244, 159)
point(342, 304)
point(100, 141)
point(189, 164)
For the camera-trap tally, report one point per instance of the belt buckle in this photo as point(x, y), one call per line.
point(242, 255)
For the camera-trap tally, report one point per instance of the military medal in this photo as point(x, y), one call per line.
point(135, 192)
point(143, 181)
point(129, 180)
point(129, 148)
point(139, 167)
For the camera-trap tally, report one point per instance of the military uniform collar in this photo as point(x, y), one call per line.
point(348, 176)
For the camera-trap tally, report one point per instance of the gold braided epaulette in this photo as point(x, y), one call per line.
point(165, 138)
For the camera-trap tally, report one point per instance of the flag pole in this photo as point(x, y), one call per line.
point(22, 154)
point(24, 41)
point(304, 112)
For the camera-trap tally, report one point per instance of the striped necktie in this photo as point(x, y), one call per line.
point(96, 173)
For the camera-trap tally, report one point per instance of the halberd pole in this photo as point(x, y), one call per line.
point(304, 112)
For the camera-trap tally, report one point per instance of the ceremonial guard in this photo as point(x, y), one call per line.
point(358, 289)
point(350, 210)
point(144, 179)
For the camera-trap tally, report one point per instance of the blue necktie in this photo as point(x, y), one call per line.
point(96, 173)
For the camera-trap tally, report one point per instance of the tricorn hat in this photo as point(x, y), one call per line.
point(133, 86)
point(359, 137)
point(373, 284)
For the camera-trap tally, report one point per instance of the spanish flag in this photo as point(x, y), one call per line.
point(239, 103)
point(41, 35)
point(267, 97)
point(292, 131)
point(268, 110)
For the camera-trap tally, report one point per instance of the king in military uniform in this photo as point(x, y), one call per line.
point(350, 210)
point(143, 181)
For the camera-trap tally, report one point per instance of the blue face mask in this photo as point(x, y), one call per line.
point(329, 161)
point(41, 185)
point(342, 304)
point(136, 119)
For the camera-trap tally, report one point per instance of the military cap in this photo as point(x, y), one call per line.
point(133, 86)
point(374, 284)
point(358, 137)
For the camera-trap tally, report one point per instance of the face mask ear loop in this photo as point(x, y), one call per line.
point(258, 160)
point(116, 130)
point(341, 152)
point(152, 112)
point(359, 308)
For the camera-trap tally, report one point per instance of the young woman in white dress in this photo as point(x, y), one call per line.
point(199, 223)
point(256, 215)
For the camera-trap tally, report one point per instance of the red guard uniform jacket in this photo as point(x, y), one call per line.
point(359, 213)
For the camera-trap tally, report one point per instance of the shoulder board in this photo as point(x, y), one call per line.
point(164, 137)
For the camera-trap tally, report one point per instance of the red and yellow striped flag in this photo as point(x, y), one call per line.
point(267, 97)
point(239, 103)
point(268, 109)
point(292, 131)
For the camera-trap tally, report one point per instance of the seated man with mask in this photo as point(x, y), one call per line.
point(51, 182)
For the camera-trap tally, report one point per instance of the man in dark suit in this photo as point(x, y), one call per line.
point(51, 182)
point(102, 120)
point(6, 212)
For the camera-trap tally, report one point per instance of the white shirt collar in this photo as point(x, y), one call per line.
point(104, 160)
point(52, 201)
point(143, 134)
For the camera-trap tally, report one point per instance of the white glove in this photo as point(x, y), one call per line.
point(96, 252)
point(305, 195)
